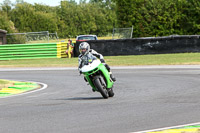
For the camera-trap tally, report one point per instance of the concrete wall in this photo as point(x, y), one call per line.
point(141, 46)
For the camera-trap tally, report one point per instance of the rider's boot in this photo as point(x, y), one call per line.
point(112, 77)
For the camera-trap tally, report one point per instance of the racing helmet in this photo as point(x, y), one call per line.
point(84, 48)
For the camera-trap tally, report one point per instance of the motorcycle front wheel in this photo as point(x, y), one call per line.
point(111, 93)
point(101, 88)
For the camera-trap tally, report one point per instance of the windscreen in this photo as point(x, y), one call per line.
point(87, 38)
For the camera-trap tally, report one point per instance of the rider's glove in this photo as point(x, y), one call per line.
point(102, 60)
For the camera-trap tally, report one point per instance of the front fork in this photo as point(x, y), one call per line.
point(90, 82)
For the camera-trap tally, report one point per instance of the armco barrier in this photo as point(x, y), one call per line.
point(149, 45)
point(32, 51)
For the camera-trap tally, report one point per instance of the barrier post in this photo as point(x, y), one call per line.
point(59, 50)
point(63, 49)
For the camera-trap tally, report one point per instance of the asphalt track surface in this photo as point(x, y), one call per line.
point(144, 99)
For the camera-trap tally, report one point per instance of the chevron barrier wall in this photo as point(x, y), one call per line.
point(33, 51)
point(61, 48)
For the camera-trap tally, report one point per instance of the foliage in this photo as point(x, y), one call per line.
point(16, 39)
point(159, 17)
point(69, 19)
point(5, 23)
point(131, 60)
point(26, 19)
point(85, 18)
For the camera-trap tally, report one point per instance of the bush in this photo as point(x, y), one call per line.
point(16, 39)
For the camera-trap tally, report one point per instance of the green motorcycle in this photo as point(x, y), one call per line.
point(98, 77)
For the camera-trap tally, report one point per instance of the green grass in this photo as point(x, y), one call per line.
point(159, 59)
point(49, 62)
point(5, 83)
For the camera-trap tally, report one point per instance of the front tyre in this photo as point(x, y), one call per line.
point(111, 93)
point(101, 88)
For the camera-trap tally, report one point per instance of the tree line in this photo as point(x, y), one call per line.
point(69, 19)
point(159, 17)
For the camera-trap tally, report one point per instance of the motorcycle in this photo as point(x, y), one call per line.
point(98, 77)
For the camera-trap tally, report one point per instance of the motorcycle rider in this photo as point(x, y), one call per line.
point(87, 55)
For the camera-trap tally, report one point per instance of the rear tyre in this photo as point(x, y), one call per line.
point(101, 88)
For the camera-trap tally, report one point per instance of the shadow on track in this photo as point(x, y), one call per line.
point(83, 98)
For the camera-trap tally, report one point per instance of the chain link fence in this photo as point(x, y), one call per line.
point(122, 33)
point(31, 37)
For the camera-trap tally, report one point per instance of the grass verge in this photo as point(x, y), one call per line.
point(5, 83)
point(133, 60)
point(8, 88)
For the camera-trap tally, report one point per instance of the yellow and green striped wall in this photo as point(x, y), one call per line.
point(33, 51)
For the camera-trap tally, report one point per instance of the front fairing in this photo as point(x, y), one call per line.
point(92, 69)
point(87, 68)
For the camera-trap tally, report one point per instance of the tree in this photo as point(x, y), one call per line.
point(159, 17)
point(26, 19)
point(6, 6)
point(191, 16)
point(69, 19)
point(84, 18)
point(5, 23)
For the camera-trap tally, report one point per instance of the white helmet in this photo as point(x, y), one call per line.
point(84, 45)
